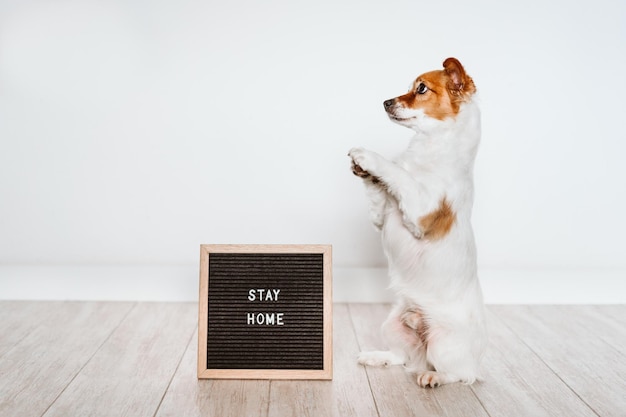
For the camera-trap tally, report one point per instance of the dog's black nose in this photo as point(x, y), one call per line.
point(388, 103)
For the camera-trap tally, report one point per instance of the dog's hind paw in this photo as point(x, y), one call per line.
point(379, 358)
point(433, 379)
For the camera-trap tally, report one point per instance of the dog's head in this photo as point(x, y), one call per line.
point(433, 97)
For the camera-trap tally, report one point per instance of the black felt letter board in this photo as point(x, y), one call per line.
point(265, 312)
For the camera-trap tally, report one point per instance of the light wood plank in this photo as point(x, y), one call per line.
point(347, 395)
point(129, 375)
point(617, 313)
point(61, 338)
point(613, 323)
point(18, 319)
point(189, 397)
point(517, 382)
point(114, 359)
point(395, 391)
point(569, 344)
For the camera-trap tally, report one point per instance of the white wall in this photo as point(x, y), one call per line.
point(133, 131)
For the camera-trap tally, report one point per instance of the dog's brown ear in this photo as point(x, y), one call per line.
point(460, 82)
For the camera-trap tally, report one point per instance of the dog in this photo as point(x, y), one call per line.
point(422, 204)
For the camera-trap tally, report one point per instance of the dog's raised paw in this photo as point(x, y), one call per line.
point(358, 171)
point(363, 158)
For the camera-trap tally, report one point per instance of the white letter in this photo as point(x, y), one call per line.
point(260, 318)
point(251, 295)
point(250, 318)
point(279, 319)
point(276, 294)
point(269, 318)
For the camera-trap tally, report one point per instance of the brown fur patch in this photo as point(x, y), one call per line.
point(438, 223)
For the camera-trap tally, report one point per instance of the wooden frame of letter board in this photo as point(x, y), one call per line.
point(205, 373)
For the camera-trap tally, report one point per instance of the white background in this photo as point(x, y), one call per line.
point(133, 131)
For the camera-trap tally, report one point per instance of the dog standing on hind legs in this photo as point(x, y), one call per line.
point(422, 204)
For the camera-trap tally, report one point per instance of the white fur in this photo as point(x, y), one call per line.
point(437, 277)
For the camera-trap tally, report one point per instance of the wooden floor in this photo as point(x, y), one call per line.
point(139, 359)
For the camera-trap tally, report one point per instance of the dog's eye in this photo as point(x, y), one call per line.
point(421, 88)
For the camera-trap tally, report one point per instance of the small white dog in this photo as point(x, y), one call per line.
point(422, 203)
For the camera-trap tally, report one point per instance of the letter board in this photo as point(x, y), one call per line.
point(265, 312)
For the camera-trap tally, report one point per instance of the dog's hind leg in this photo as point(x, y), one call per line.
point(455, 357)
point(396, 354)
point(405, 345)
point(415, 338)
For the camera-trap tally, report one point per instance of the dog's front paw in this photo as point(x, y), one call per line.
point(412, 227)
point(358, 171)
point(363, 162)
